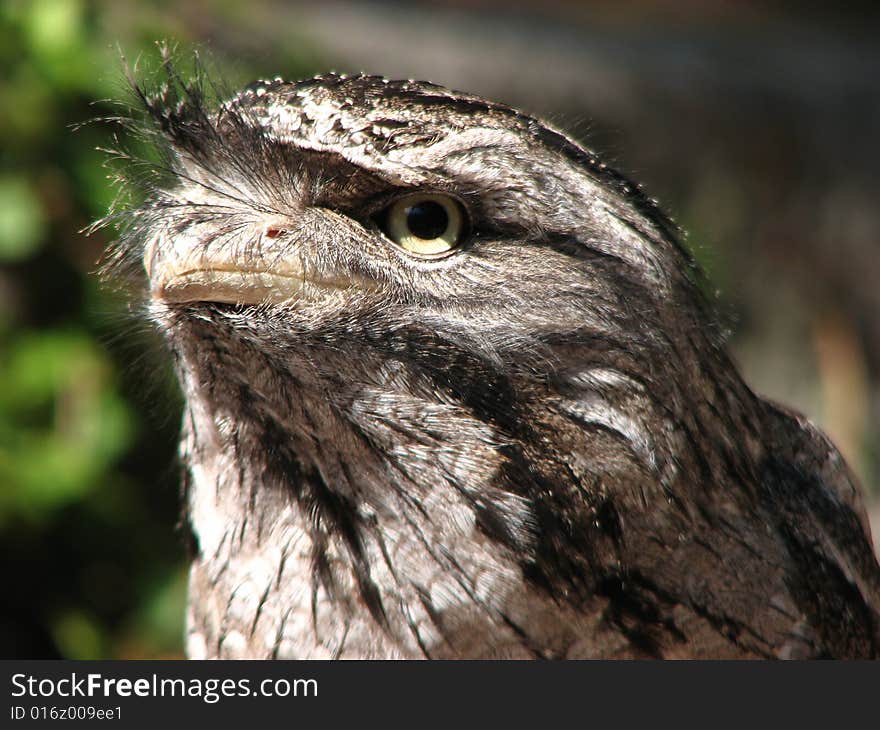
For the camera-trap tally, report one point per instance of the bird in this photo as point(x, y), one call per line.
point(454, 389)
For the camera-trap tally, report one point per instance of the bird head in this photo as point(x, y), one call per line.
point(400, 222)
point(417, 318)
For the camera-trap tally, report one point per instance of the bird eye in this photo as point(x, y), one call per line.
point(425, 224)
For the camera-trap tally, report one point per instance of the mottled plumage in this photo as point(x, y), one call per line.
point(535, 446)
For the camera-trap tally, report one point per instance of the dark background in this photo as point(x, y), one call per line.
point(755, 124)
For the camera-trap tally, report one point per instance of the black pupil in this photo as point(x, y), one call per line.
point(427, 220)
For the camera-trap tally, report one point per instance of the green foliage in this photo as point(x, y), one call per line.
point(22, 220)
point(64, 423)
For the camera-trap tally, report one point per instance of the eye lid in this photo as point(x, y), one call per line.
point(379, 204)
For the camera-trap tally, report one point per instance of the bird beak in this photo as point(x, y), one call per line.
point(184, 270)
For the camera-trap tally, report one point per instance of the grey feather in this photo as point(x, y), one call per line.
point(535, 446)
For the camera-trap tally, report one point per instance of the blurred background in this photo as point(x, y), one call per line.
point(755, 124)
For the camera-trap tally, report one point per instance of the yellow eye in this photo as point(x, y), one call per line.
point(425, 224)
